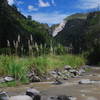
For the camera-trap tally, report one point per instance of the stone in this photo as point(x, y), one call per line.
point(35, 79)
point(58, 82)
point(85, 81)
point(52, 98)
point(88, 81)
point(73, 71)
point(34, 93)
point(8, 79)
point(67, 67)
point(81, 71)
point(63, 97)
point(53, 72)
point(4, 96)
point(21, 97)
point(59, 73)
point(72, 98)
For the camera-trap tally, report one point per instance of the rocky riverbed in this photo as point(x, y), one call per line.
point(83, 87)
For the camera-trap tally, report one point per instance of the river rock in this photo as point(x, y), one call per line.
point(58, 82)
point(35, 93)
point(53, 72)
point(73, 71)
point(81, 71)
point(35, 79)
point(85, 81)
point(4, 96)
point(8, 79)
point(52, 98)
point(66, 98)
point(67, 67)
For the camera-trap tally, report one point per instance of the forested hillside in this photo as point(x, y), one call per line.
point(14, 24)
point(82, 35)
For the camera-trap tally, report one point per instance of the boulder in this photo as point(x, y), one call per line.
point(33, 93)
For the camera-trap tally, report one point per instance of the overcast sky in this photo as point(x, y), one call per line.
point(53, 11)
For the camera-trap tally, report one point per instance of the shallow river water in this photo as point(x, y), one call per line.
point(69, 87)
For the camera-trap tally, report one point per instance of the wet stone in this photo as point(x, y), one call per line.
point(8, 79)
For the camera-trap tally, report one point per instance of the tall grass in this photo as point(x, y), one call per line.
point(14, 66)
point(19, 67)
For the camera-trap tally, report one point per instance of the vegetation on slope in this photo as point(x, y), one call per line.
point(83, 35)
point(13, 23)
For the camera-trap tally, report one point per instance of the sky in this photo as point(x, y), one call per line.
point(53, 11)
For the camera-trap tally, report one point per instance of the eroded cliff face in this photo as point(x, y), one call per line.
point(59, 28)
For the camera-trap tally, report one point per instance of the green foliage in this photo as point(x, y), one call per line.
point(13, 23)
point(16, 67)
point(83, 36)
point(19, 67)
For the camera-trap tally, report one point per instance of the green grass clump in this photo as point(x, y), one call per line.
point(19, 67)
point(45, 63)
point(13, 66)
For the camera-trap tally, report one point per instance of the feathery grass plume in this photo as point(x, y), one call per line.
point(16, 48)
point(30, 48)
point(14, 43)
point(8, 45)
point(18, 39)
point(31, 38)
point(51, 47)
point(37, 48)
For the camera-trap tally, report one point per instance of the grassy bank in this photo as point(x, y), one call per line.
point(19, 67)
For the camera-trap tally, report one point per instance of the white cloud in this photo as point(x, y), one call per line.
point(43, 4)
point(88, 4)
point(10, 2)
point(50, 18)
point(32, 8)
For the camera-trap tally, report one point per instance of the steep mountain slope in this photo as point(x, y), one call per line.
point(13, 23)
point(59, 27)
point(73, 31)
point(83, 35)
